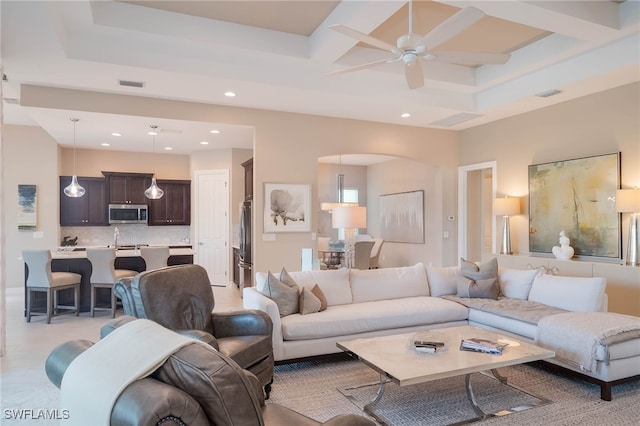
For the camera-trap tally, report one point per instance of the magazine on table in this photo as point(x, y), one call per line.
point(475, 344)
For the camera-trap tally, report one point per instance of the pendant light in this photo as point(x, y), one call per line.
point(74, 190)
point(154, 192)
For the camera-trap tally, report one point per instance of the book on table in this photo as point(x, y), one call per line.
point(475, 344)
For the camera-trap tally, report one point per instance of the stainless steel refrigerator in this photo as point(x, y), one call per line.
point(244, 264)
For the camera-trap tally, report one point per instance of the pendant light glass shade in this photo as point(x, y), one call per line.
point(74, 190)
point(154, 192)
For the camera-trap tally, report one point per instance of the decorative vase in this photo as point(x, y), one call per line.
point(564, 251)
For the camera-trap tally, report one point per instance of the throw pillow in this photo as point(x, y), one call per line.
point(309, 303)
point(317, 291)
point(286, 297)
point(285, 278)
point(479, 281)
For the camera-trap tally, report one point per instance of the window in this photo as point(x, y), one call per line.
point(349, 195)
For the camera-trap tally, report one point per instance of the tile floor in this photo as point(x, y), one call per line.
point(23, 382)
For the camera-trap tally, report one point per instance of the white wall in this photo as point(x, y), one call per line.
point(28, 152)
point(602, 123)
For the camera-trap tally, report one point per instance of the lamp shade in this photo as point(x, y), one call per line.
point(349, 217)
point(507, 206)
point(628, 200)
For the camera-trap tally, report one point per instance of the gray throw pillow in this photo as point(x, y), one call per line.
point(479, 281)
point(309, 303)
point(285, 297)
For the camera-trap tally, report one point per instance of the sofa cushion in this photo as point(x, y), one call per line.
point(442, 280)
point(286, 297)
point(334, 284)
point(372, 316)
point(478, 280)
point(388, 283)
point(516, 283)
point(577, 294)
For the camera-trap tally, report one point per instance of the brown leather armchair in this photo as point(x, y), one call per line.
point(180, 298)
point(195, 386)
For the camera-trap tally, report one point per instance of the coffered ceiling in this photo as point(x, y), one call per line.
point(276, 55)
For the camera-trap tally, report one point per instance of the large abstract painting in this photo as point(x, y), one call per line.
point(402, 217)
point(287, 208)
point(577, 197)
point(27, 208)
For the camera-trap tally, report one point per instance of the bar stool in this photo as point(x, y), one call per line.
point(155, 257)
point(41, 279)
point(104, 275)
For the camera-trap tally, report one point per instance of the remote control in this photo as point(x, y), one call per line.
point(428, 343)
point(428, 349)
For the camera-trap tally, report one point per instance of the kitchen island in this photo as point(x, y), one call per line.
point(76, 261)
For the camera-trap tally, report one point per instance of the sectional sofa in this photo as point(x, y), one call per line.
point(367, 303)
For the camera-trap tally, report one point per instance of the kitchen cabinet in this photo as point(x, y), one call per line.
point(127, 188)
point(174, 208)
point(248, 179)
point(88, 210)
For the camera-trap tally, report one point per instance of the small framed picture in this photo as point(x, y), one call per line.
point(287, 207)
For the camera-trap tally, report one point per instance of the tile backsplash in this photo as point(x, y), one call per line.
point(129, 234)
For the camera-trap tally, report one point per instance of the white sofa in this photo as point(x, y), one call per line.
point(366, 303)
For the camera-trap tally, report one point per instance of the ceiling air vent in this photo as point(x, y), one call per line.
point(455, 119)
point(548, 93)
point(128, 83)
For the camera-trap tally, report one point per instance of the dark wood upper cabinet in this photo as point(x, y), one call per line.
point(248, 179)
point(127, 188)
point(174, 208)
point(88, 210)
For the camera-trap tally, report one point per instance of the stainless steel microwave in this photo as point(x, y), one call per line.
point(128, 213)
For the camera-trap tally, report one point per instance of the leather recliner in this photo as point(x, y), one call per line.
point(180, 298)
point(195, 386)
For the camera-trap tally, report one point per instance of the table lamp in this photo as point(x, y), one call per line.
point(628, 201)
point(505, 207)
point(349, 218)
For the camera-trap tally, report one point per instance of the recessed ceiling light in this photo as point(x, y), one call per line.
point(405, 115)
point(116, 134)
point(214, 131)
point(105, 144)
point(204, 143)
point(229, 94)
point(168, 148)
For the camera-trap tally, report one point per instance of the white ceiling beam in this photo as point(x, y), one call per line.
point(618, 55)
point(201, 31)
point(584, 20)
point(327, 46)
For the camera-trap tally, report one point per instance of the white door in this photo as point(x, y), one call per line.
point(212, 224)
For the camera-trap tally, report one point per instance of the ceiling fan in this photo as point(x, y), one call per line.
point(412, 48)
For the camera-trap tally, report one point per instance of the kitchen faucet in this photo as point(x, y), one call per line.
point(116, 237)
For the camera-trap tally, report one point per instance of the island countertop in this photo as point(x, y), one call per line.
point(80, 252)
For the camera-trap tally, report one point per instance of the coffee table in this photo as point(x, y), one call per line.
point(395, 358)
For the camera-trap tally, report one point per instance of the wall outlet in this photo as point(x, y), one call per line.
point(268, 237)
point(38, 235)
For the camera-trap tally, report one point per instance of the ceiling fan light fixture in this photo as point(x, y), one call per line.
point(74, 189)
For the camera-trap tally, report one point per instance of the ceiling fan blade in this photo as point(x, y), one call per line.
point(350, 32)
point(363, 66)
point(413, 74)
point(469, 58)
point(452, 27)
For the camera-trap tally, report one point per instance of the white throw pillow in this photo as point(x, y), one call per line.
point(442, 280)
point(578, 294)
point(516, 283)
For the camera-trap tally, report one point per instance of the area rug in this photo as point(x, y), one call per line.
point(312, 388)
